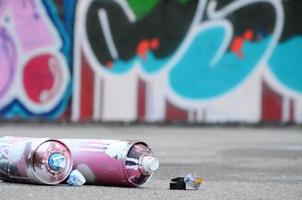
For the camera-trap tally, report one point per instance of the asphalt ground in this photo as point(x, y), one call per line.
point(235, 163)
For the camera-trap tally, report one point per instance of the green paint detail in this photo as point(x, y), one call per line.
point(141, 8)
point(183, 1)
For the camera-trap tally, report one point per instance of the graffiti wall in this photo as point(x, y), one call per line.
point(34, 73)
point(195, 61)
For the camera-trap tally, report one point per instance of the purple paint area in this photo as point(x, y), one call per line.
point(3, 5)
point(8, 60)
point(32, 28)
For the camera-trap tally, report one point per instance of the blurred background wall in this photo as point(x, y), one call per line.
point(195, 61)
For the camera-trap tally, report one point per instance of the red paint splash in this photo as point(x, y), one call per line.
point(87, 90)
point(109, 64)
point(146, 45)
point(238, 42)
point(271, 104)
point(39, 78)
point(175, 114)
point(154, 44)
point(141, 100)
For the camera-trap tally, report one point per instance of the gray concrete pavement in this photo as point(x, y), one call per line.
point(236, 163)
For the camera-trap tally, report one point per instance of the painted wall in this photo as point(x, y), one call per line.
point(157, 60)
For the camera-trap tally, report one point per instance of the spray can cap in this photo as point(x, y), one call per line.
point(57, 162)
point(76, 178)
point(150, 164)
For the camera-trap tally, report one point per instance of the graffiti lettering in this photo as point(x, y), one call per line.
point(156, 60)
point(34, 74)
point(198, 56)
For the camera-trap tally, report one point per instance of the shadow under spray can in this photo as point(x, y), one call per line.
point(34, 160)
point(113, 162)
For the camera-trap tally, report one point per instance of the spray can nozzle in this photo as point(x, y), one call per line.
point(150, 164)
point(57, 162)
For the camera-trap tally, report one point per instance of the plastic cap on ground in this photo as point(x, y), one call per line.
point(150, 164)
point(76, 178)
point(57, 162)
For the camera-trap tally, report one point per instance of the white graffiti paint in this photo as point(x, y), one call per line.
point(118, 93)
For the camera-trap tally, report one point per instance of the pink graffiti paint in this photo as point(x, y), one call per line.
point(8, 57)
point(32, 160)
point(113, 162)
point(30, 21)
point(3, 6)
point(42, 78)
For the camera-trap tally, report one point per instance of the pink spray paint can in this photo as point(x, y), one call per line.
point(34, 160)
point(113, 162)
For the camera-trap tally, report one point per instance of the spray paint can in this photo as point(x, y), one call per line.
point(113, 162)
point(34, 160)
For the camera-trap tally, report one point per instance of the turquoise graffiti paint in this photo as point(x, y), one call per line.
point(150, 64)
point(194, 77)
point(286, 63)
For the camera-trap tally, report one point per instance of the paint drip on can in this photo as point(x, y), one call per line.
point(113, 162)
